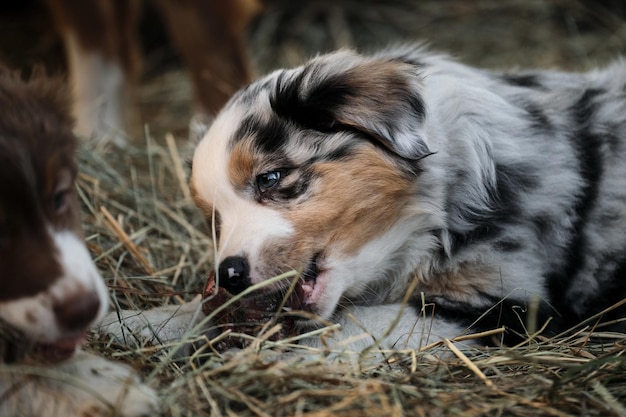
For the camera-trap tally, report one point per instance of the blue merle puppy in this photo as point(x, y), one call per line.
point(497, 199)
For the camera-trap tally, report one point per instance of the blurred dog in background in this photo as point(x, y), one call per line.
point(104, 57)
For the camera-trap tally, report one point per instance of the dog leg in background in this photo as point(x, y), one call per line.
point(103, 57)
point(84, 385)
point(211, 36)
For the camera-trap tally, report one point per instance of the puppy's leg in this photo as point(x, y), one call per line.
point(385, 327)
point(84, 385)
point(211, 37)
point(155, 326)
point(103, 56)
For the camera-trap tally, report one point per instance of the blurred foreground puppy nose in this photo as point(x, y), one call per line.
point(77, 312)
point(233, 274)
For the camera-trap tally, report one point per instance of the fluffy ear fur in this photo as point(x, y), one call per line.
point(199, 125)
point(376, 96)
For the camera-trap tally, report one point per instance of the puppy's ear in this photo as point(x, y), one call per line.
point(199, 125)
point(375, 96)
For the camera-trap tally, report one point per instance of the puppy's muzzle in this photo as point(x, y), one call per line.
point(234, 274)
point(77, 312)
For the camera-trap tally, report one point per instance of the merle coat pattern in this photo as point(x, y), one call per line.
point(495, 194)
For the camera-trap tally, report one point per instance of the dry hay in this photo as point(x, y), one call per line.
point(153, 249)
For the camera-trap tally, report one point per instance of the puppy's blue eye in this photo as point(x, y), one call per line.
point(268, 180)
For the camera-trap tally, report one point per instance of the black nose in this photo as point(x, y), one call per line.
point(234, 274)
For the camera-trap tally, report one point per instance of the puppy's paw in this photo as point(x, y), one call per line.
point(156, 326)
point(112, 388)
point(85, 385)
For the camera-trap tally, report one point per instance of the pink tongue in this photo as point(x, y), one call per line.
point(61, 350)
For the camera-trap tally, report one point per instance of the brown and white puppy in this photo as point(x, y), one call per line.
point(104, 55)
point(498, 197)
point(50, 290)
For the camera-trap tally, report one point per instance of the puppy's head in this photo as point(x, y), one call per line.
point(313, 169)
point(50, 291)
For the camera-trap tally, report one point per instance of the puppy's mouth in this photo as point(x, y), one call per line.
point(16, 347)
point(302, 296)
point(60, 350)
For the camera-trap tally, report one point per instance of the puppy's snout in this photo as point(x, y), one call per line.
point(234, 274)
point(77, 312)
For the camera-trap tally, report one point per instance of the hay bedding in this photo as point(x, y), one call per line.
point(141, 229)
point(153, 249)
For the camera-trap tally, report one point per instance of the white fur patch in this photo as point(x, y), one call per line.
point(85, 385)
point(100, 91)
point(35, 315)
point(247, 225)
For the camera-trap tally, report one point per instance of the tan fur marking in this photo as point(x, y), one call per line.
point(204, 206)
point(378, 88)
point(346, 217)
point(375, 83)
point(208, 211)
point(31, 317)
point(463, 284)
point(241, 165)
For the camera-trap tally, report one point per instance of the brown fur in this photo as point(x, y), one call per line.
point(347, 217)
point(35, 132)
point(212, 39)
point(204, 207)
point(241, 164)
point(50, 291)
point(340, 218)
point(463, 284)
point(104, 25)
point(375, 90)
point(210, 36)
